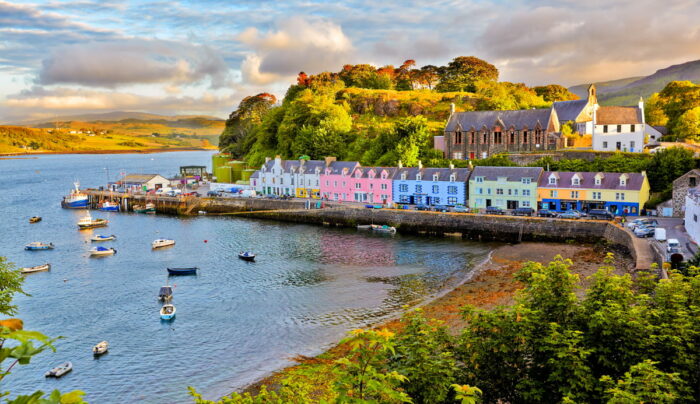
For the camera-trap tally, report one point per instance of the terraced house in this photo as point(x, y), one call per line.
point(372, 184)
point(336, 180)
point(504, 187)
point(300, 178)
point(619, 193)
point(430, 186)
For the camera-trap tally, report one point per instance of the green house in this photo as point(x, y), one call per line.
point(504, 187)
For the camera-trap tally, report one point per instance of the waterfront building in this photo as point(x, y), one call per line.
point(691, 214)
point(430, 186)
point(372, 184)
point(336, 179)
point(619, 193)
point(306, 175)
point(143, 182)
point(300, 178)
point(504, 187)
point(619, 128)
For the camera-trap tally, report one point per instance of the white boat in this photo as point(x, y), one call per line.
point(38, 268)
point(364, 227)
point(101, 251)
point(162, 242)
point(103, 238)
point(384, 229)
point(60, 370)
point(167, 312)
point(100, 348)
point(38, 245)
point(88, 222)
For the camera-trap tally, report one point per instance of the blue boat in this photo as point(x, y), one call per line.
point(183, 271)
point(76, 199)
point(38, 246)
point(109, 207)
point(246, 256)
point(167, 312)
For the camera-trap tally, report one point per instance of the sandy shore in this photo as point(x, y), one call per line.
point(490, 285)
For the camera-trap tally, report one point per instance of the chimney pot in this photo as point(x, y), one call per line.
point(329, 160)
point(420, 164)
point(452, 108)
point(400, 164)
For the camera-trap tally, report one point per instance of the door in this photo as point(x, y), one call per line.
point(618, 145)
point(488, 203)
point(471, 155)
point(512, 204)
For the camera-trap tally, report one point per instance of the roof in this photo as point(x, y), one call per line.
point(138, 178)
point(294, 165)
point(611, 115)
point(569, 110)
point(461, 174)
point(518, 119)
point(662, 129)
point(365, 171)
point(256, 174)
point(515, 174)
point(610, 180)
point(338, 166)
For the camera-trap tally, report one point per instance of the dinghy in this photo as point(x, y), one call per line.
point(166, 293)
point(100, 348)
point(103, 238)
point(102, 251)
point(60, 370)
point(183, 271)
point(35, 219)
point(167, 312)
point(246, 256)
point(384, 229)
point(162, 242)
point(37, 245)
point(38, 268)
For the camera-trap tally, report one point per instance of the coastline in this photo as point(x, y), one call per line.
point(117, 151)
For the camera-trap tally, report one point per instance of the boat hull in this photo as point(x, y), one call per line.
point(100, 348)
point(40, 268)
point(60, 370)
point(75, 204)
point(110, 209)
point(249, 258)
point(95, 224)
point(38, 247)
point(182, 271)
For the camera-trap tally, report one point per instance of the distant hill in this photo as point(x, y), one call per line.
point(627, 91)
point(116, 116)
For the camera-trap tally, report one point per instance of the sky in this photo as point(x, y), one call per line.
point(59, 58)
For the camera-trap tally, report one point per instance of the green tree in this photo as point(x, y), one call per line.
point(677, 98)
point(644, 383)
point(667, 165)
point(555, 92)
point(688, 125)
point(463, 72)
point(653, 111)
point(241, 123)
point(10, 284)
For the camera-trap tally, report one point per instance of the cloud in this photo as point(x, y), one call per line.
point(133, 61)
point(297, 44)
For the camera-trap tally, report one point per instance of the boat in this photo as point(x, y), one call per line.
point(165, 293)
point(108, 206)
point(38, 268)
point(167, 312)
point(162, 242)
point(364, 227)
point(76, 199)
point(88, 222)
point(35, 219)
point(384, 229)
point(102, 251)
point(103, 238)
point(147, 208)
point(183, 271)
point(246, 256)
point(60, 370)
point(100, 348)
point(37, 245)
point(139, 208)
point(150, 208)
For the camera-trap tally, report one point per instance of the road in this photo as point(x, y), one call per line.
point(675, 229)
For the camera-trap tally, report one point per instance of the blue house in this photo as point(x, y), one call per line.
point(430, 186)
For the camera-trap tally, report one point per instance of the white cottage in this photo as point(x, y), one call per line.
point(300, 178)
point(619, 128)
point(692, 215)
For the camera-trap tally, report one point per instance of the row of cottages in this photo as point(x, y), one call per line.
point(430, 186)
point(619, 193)
point(504, 187)
point(300, 178)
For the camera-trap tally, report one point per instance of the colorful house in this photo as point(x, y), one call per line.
point(430, 186)
point(504, 187)
point(306, 175)
point(372, 184)
point(619, 193)
point(299, 178)
point(335, 179)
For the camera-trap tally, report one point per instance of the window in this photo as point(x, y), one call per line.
point(335, 184)
point(344, 184)
point(695, 218)
point(403, 199)
point(692, 181)
point(631, 144)
point(485, 138)
point(371, 186)
point(436, 200)
point(384, 187)
point(605, 145)
point(575, 181)
point(479, 201)
point(436, 189)
point(510, 191)
point(619, 128)
point(553, 194)
point(526, 192)
point(515, 192)
point(597, 180)
point(419, 177)
point(632, 130)
point(457, 155)
point(525, 204)
point(403, 188)
point(479, 179)
point(451, 200)
point(452, 190)
point(403, 176)
point(574, 194)
point(605, 128)
point(480, 191)
point(436, 177)
point(526, 181)
point(452, 178)
point(497, 137)
point(623, 182)
point(419, 189)
point(552, 180)
point(472, 138)
point(512, 137)
point(596, 195)
point(499, 191)
point(488, 191)
point(619, 196)
point(384, 175)
point(335, 197)
point(293, 181)
point(524, 137)
point(358, 185)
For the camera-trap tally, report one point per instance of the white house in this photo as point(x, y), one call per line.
point(692, 215)
point(300, 178)
point(141, 182)
point(619, 128)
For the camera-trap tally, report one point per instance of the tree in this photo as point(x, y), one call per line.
point(555, 92)
point(462, 74)
point(644, 383)
point(667, 165)
point(243, 120)
point(10, 284)
point(404, 79)
point(427, 76)
point(677, 98)
point(688, 125)
point(653, 111)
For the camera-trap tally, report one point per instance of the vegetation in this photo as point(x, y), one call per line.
point(555, 92)
point(677, 106)
point(624, 340)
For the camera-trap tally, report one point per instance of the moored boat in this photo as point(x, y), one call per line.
point(165, 293)
point(150, 208)
point(100, 348)
point(384, 229)
point(246, 256)
point(102, 251)
point(35, 219)
point(76, 199)
point(364, 227)
point(88, 222)
point(183, 271)
point(100, 237)
point(167, 312)
point(60, 370)
point(108, 206)
point(162, 242)
point(38, 268)
point(147, 208)
point(37, 245)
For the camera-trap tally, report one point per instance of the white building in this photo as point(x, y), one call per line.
point(143, 182)
point(692, 215)
point(300, 178)
point(619, 128)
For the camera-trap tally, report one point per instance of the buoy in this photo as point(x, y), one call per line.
point(205, 241)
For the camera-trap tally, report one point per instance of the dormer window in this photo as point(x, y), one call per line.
point(575, 181)
point(597, 180)
point(623, 180)
point(436, 177)
point(384, 175)
point(419, 177)
point(552, 180)
point(452, 178)
point(358, 174)
point(403, 176)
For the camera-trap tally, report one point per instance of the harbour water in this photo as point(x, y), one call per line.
point(236, 321)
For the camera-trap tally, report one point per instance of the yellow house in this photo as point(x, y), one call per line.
point(619, 193)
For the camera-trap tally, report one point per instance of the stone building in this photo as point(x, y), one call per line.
point(681, 185)
point(480, 134)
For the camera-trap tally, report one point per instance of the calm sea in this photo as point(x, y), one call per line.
point(236, 321)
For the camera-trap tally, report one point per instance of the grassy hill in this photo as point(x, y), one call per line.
point(627, 91)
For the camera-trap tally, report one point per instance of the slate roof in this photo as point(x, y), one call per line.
point(365, 171)
point(289, 165)
point(519, 119)
point(569, 110)
point(256, 174)
point(138, 178)
point(611, 115)
point(338, 166)
point(461, 174)
point(610, 181)
point(513, 174)
point(661, 129)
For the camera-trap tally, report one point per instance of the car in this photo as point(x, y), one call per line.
point(546, 213)
point(644, 231)
point(638, 222)
point(522, 211)
point(422, 207)
point(494, 210)
point(460, 209)
point(570, 214)
point(600, 214)
point(440, 208)
point(213, 193)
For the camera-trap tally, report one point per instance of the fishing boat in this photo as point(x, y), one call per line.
point(88, 222)
point(147, 208)
point(139, 208)
point(37, 245)
point(384, 229)
point(100, 237)
point(162, 242)
point(183, 271)
point(108, 206)
point(38, 268)
point(165, 293)
point(76, 199)
point(167, 312)
point(35, 219)
point(102, 251)
point(60, 370)
point(246, 256)
point(100, 348)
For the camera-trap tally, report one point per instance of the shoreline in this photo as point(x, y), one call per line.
point(117, 151)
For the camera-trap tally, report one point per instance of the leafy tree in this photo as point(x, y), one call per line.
point(427, 76)
point(644, 383)
point(667, 165)
point(506, 96)
point(688, 125)
point(555, 92)
point(243, 121)
point(463, 72)
point(10, 284)
point(653, 111)
point(677, 98)
point(467, 394)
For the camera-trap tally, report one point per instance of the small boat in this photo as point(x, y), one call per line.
point(162, 242)
point(60, 370)
point(38, 268)
point(108, 206)
point(384, 229)
point(37, 245)
point(139, 208)
point(183, 271)
point(167, 312)
point(100, 348)
point(246, 256)
point(147, 208)
point(165, 293)
point(202, 212)
point(364, 227)
point(35, 219)
point(103, 238)
point(102, 251)
point(150, 208)
point(76, 199)
point(88, 222)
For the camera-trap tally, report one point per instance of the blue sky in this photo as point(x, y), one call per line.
point(202, 57)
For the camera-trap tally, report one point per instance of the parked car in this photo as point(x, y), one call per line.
point(600, 214)
point(646, 222)
point(673, 245)
point(546, 213)
point(494, 210)
point(643, 231)
point(460, 209)
point(422, 207)
point(570, 214)
point(440, 208)
point(213, 193)
point(523, 212)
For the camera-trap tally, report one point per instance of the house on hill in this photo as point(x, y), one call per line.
point(619, 128)
point(580, 112)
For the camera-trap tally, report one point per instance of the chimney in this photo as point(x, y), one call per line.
point(452, 109)
point(400, 164)
point(267, 159)
point(641, 109)
point(471, 166)
point(278, 159)
point(420, 165)
point(452, 166)
point(644, 173)
point(329, 160)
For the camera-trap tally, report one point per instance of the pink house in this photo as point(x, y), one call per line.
point(372, 184)
point(335, 180)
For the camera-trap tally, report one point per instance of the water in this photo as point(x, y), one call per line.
point(236, 321)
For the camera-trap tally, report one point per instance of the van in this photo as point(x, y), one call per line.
point(660, 234)
point(673, 245)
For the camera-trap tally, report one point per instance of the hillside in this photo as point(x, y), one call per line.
point(113, 116)
point(627, 91)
